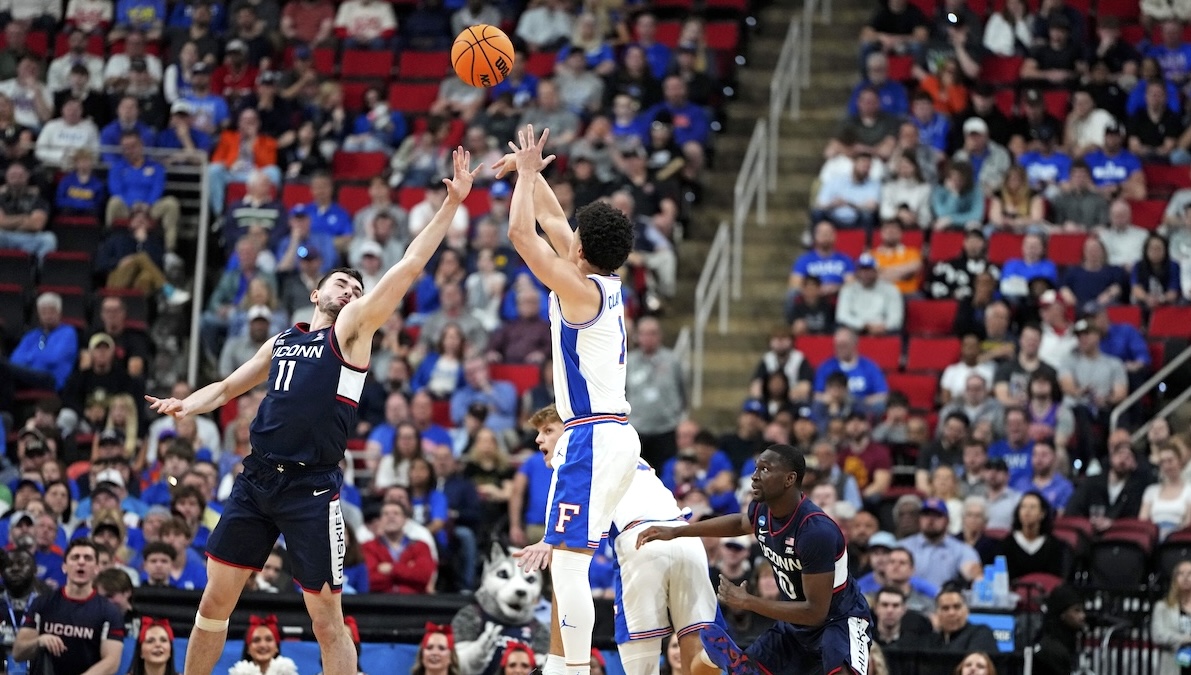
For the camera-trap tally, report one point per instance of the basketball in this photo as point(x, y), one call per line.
point(482, 55)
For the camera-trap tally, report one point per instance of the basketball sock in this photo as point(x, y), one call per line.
point(576, 609)
point(555, 665)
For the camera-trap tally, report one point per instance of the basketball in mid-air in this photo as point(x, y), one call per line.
point(482, 55)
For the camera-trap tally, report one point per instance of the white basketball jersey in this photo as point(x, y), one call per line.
point(646, 500)
point(589, 357)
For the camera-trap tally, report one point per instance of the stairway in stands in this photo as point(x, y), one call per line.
point(768, 251)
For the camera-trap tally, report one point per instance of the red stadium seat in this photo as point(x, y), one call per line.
point(524, 376)
point(353, 197)
point(1003, 245)
point(38, 42)
point(1001, 70)
point(738, 6)
point(945, 245)
point(478, 202)
point(679, 5)
point(412, 97)
point(541, 64)
point(419, 65)
point(851, 242)
point(235, 192)
point(1005, 99)
point(927, 6)
point(367, 63)
point(1157, 353)
point(1166, 177)
point(1148, 213)
point(931, 355)
point(816, 348)
point(1127, 11)
point(1170, 322)
point(930, 318)
point(1066, 248)
point(913, 239)
point(668, 31)
point(441, 414)
point(921, 390)
point(324, 59)
point(353, 93)
point(884, 350)
point(723, 35)
point(95, 44)
point(408, 197)
point(358, 165)
point(294, 194)
point(1130, 314)
point(1057, 102)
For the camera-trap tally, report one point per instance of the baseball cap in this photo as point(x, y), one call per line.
point(803, 412)
point(755, 407)
point(111, 436)
point(299, 210)
point(259, 312)
point(372, 248)
point(1114, 127)
point(743, 541)
point(110, 476)
point(1091, 308)
point(499, 190)
point(181, 107)
point(975, 125)
point(996, 464)
point(110, 526)
point(25, 482)
point(100, 339)
point(866, 261)
point(1083, 326)
point(237, 45)
point(936, 505)
point(19, 517)
point(1050, 297)
point(268, 77)
point(200, 68)
point(882, 539)
point(1042, 132)
point(159, 510)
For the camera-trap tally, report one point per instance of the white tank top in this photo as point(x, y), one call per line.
point(589, 357)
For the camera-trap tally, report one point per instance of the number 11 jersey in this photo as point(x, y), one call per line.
point(311, 401)
point(808, 541)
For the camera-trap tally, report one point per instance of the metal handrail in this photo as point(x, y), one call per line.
point(1136, 395)
point(713, 286)
point(200, 277)
point(750, 190)
point(682, 353)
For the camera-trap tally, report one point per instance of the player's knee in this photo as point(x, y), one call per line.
point(640, 657)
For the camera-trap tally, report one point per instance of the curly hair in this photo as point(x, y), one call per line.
point(606, 235)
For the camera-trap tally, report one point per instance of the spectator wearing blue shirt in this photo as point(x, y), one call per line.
point(1115, 170)
point(1122, 341)
point(499, 397)
point(1045, 478)
point(823, 262)
point(46, 354)
point(182, 16)
point(531, 486)
point(1045, 167)
point(137, 183)
point(210, 110)
point(326, 215)
point(522, 85)
point(708, 469)
point(934, 128)
point(692, 126)
point(865, 380)
point(599, 54)
point(146, 16)
point(1019, 272)
point(185, 573)
point(80, 192)
point(876, 76)
point(128, 119)
point(1016, 450)
point(657, 55)
point(376, 129)
point(430, 506)
point(181, 133)
point(1137, 97)
point(302, 235)
point(1172, 54)
point(1094, 280)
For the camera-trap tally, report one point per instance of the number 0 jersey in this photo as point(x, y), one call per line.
point(808, 542)
point(589, 357)
point(313, 395)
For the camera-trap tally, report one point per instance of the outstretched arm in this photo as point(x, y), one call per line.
point(547, 210)
point(553, 269)
point(214, 395)
point(367, 314)
point(723, 526)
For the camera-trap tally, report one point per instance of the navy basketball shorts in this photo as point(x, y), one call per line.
point(301, 504)
point(838, 648)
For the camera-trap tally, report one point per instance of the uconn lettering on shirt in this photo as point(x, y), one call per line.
point(782, 562)
point(304, 351)
point(68, 630)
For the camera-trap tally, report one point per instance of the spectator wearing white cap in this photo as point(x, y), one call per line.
point(1058, 340)
point(989, 159)
point(869, 304)
point(369, 259)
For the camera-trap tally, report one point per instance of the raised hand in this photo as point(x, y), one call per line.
point(528, 150)
point(505, 165)
point(460, 186)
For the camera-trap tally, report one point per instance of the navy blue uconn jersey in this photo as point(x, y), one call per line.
point(313, 394)
point(808, 542)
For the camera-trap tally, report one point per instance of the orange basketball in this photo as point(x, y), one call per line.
point(482, 55)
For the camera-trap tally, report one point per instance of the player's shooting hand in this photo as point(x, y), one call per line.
point(655, 533)
point(534, 557)
point(460, 186)
point(735, 597)
point(505, 165)
point(529, 150)
point(52, 644)
point(166, 406)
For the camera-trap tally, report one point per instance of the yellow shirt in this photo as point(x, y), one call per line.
point(892, 257)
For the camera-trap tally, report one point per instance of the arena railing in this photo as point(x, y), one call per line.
point(1156, 381)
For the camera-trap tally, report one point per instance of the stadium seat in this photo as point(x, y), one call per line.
point(884, 350)
point(913, 238)
point(1171, 552)
point(1120, 562)
point(38, 42)
point(408, 197)
point(1057, 102)
point(1145, 527)
point(295, 193)
point(1001, 70)
point(1127, 11)
point(95, 44)
point(738, 6)
point(358, 165)
point(851, 242)
point(1004, 245)
point(678, 6)
point(353, 197)
point(1164, 179)
point(524, 376)
point(353, 93)
point(16, 267)
point(12, 312)
point(816, 348)
point(927, 6)
point(1065, 248)
point(921, 390)
point(420, 65)
point(67, 268)
point(1130, 314)
point(412, 97)
point(1157, 353)
point(1033, 587)
point(1005, 99)
point(723, 36)
point(478, 202)
point(997, 533)
point(78, 237)
point(980, 7)
point(1148, 213)
point(930, 318)
point(931, 355)
point(668, 31)
point(441, 414)
point(1077, 523)
point(541, 64)
point(945, 245)
point(366, 64)
point(1170, 322)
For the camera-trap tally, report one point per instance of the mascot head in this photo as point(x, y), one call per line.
point(507, 592)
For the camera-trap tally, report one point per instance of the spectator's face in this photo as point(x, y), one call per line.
point(81, 565)
point(1030, 511)
point(845, 346)
point(1016, 427)
point(878, 559)
point(1172, 33)
point(1043, 459)
point(974, 664)
point(877, 69)
point(72, 112)
point(868, 104)
point(898, 569)
point(421, 408)
point(862, 526)
point(649, 336)
point(890, 609)
point(932, 524)
point(951, 612)
point(392, 520)
point(132, 149)
point(271, 572)
point(674, 89)
point(891, 234)
point(156, 648)
point(974, 517)
point(547, 96)
point(436, 653)
point(646, 28)
point(263, 646)
point(322, 189)
point(861, 166)
point(1121, 456)
point(15, 34)
point(518, 663)
point(250, 125)
point(157, 566)
point(189, 509)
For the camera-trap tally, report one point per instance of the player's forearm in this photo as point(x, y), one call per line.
point(428, 240)
point(551, 216)
point(205, 400)
point(25, 646)
point(521, 208)
point(799, 613)
point(723, 526)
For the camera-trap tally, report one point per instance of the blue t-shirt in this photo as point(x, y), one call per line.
point(208, 109)
point(1088, 285)
point(1111, 170)
point(433, 506)
point(1126, 343)
point(1175, 63)
point(1137, 99)
point(1046, 169)
point(1017, 269)
point(1018, 461)
point(140, 14)
point(523, 92)
point(49, 567)
point(721, 502)
point(384, 435)
point(537, 489)
point(192, 578)
point(331, 220)
point(892, 95)
point(864, 377)
point(935, 132)
point(830, 269)
point(1057, 492)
